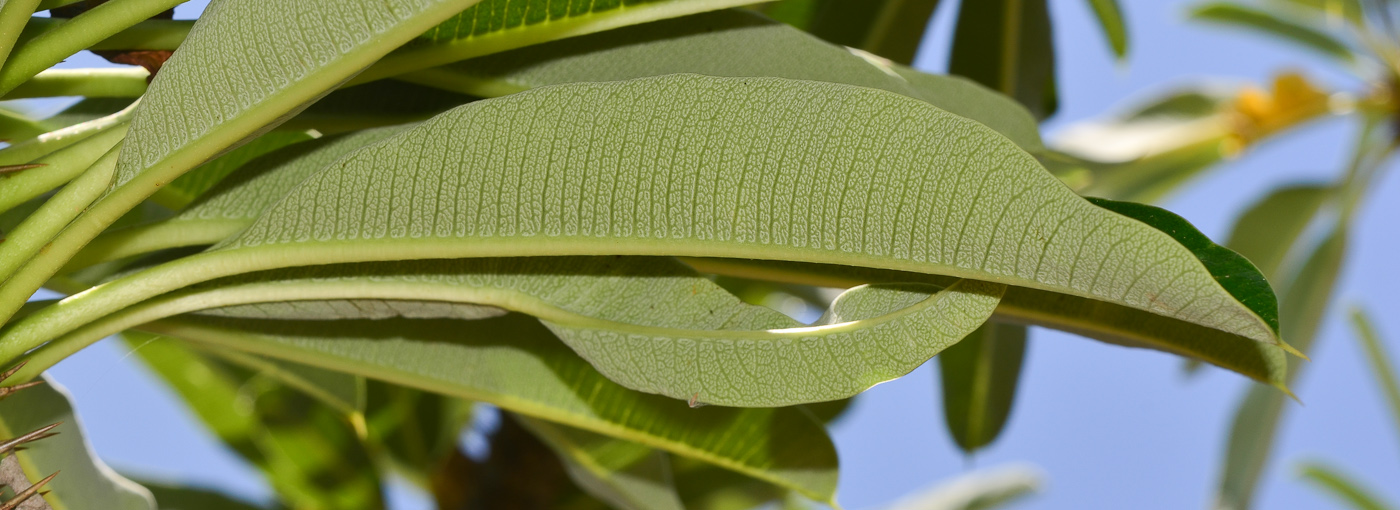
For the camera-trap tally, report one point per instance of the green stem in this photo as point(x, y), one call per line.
point(48, 143)
point(77, 34)
point(49, 4)
point(118, 82)
point(60, 167)
point(13, 15)
point(41, 226)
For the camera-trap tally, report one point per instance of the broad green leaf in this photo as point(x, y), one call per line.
point(1111, 20)
point(516, 364)
point(1006, 45)
point(1017, 231)
point(1270, 23)
point(1342, 487)
point(500, 25)
point(623, 315)
point(1107, 322)
point(36, 54)
point(1380, 361)
point(1305, 300)
point(104, 82)
point(626, 475)
point(724, 43)
point(1268, 229)
point(84, 481)
point(178, 497)
point(980, 375)
point(979, 490)
point(309, 453)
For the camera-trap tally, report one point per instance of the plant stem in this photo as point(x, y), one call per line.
point(77, 34)
point(13, 15)
point(119, 82)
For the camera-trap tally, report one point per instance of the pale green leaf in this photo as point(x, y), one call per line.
point(343, 392)
point(980, 376)
point(1255, 422)
point(1270, 23)
point(1006, 45)
point(623, 314)
point(626, 475)
point(516, 364)
point(1269, 228)
point(725, 43)
point(1026, 230)
point(979, 490)
point(500, 25)
point(1380, 361)
point(1342, 487)
point(85, 481)
point(1107, 322)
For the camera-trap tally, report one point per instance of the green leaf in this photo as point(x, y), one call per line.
point(626, 475)
point(179, 497)
point(890, 28)
point(622, 314)
point(1305, 299)
point(310, 454)
point(797, 217)
point(1342, 487)
point(85, 482)
point(515, 363)
point(1006, 45)
point(343, 392)
point(417, 431)
point(1349, 10)
point(1268, 23)
point(980, 375)
point(500, 25)
point(1380, 361)
point(1268, 229)
point(1111, 20)
point(734, 43)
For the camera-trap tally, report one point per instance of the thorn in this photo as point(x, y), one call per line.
point(10, 390)
point(9, 169)
point(12, 370)
point(24, 495)
point(41, 433)
point(695, 401)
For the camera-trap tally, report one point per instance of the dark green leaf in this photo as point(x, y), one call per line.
point(1007, 46)
point(980, 375)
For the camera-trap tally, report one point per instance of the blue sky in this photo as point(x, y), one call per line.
point(1111, 427)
